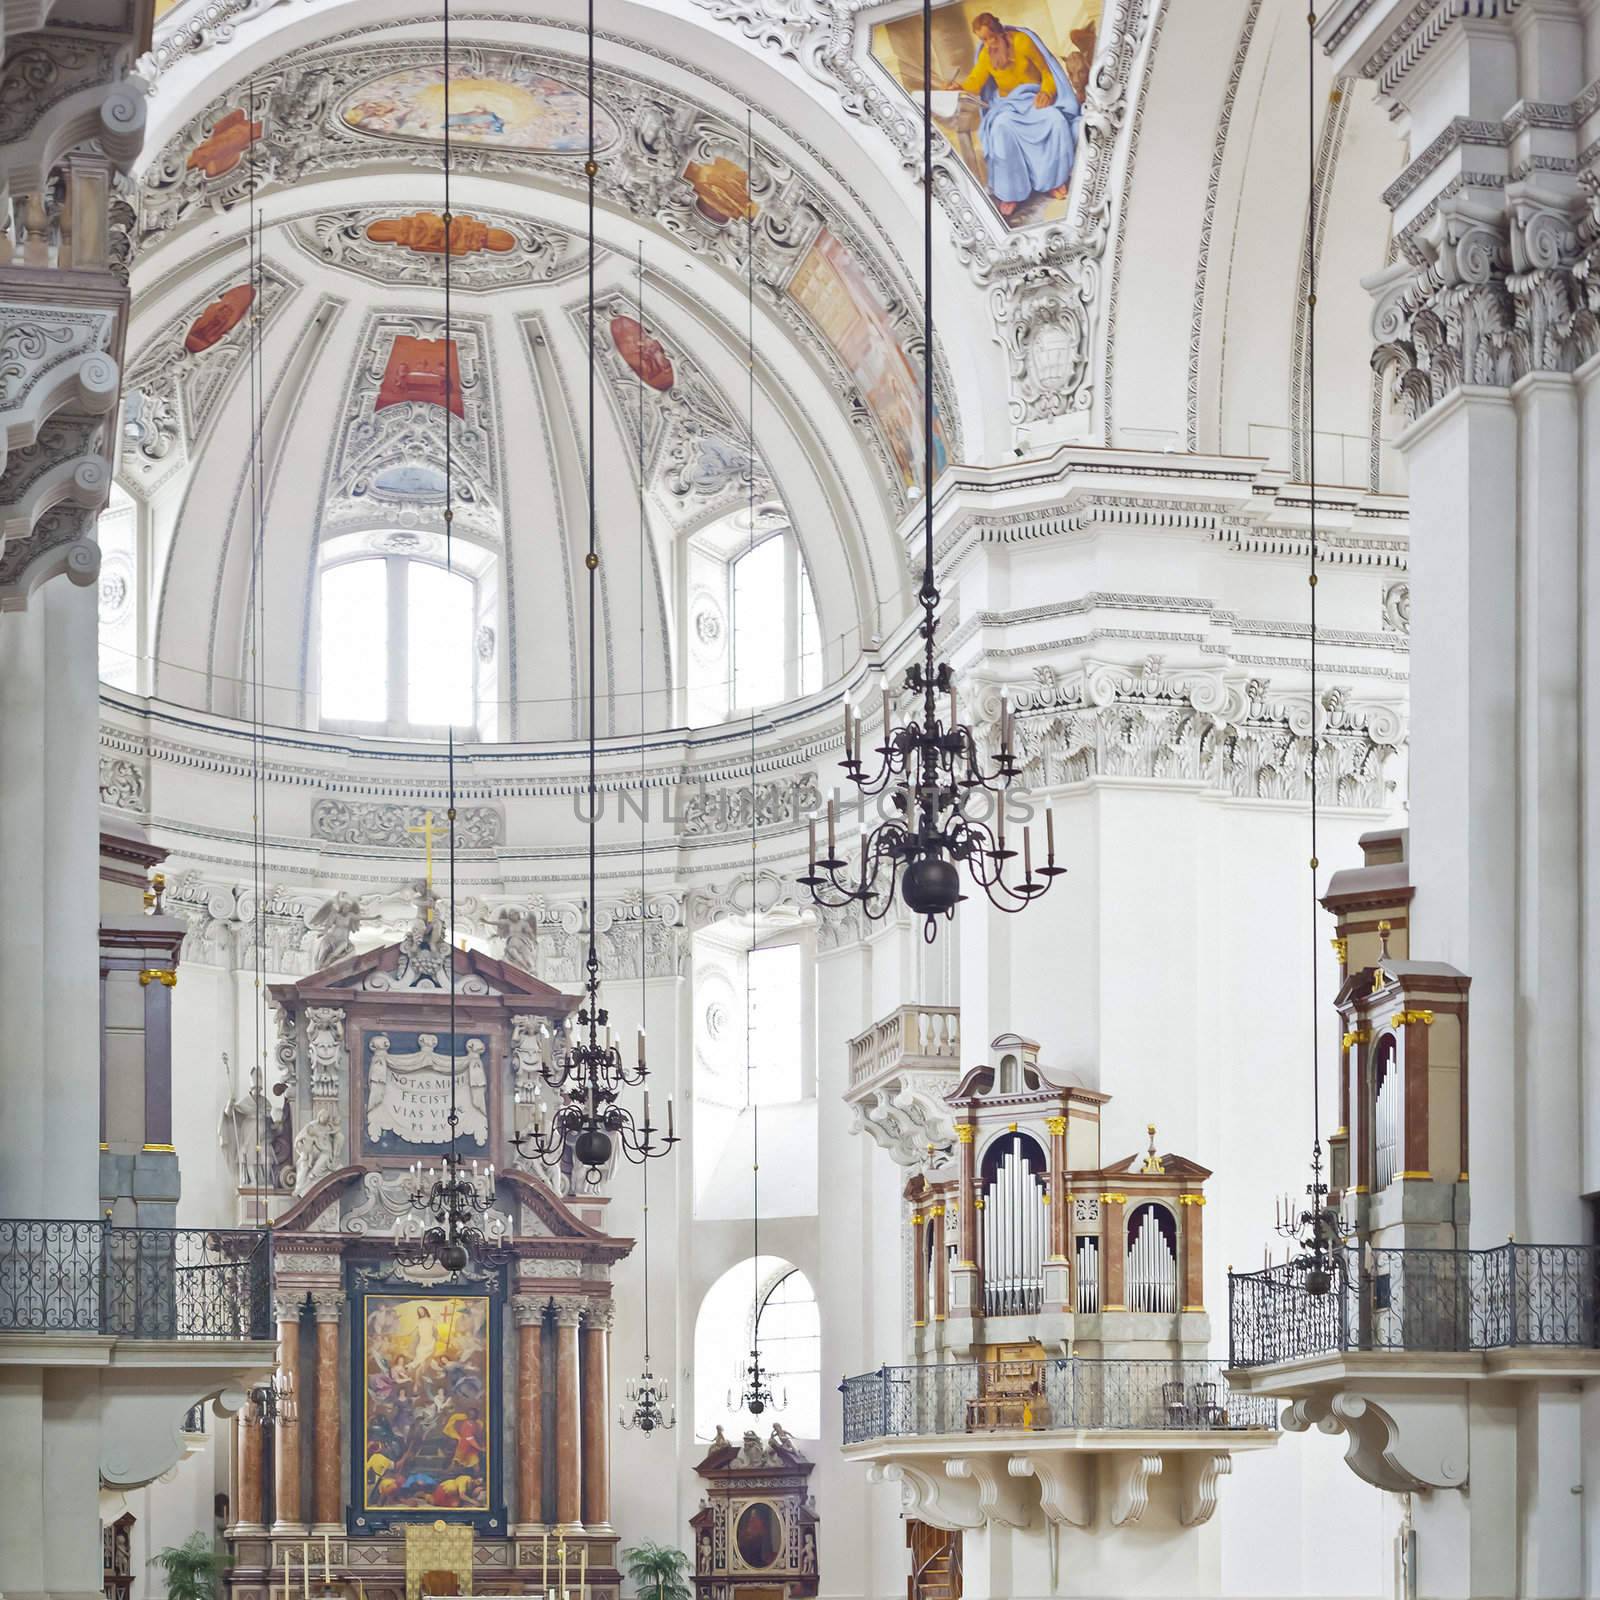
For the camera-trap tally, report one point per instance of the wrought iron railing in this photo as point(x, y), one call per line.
point(1420, 1300)
point(134, 1283)
point(1049, 1396)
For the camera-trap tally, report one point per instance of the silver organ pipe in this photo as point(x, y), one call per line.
point(1015, 1223)
point(1386, 1126)
point(1152, 1267)
point(1087, 1263)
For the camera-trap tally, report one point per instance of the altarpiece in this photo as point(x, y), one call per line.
point(477, 1403)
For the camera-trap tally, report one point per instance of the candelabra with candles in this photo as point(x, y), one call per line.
point(647, 1404)
point(1315, 1229)
point(453, 1198)
point(932, 772)
point(756, 1393)
point(271, 1399)
point(588, 1075)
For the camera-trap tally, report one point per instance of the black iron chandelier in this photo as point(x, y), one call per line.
point(443, 1228)
point(646, 1403)
point(271, 1400)
point(757, 1394)
point(1318, 1256)
point(589, 1074)
point(931, 770)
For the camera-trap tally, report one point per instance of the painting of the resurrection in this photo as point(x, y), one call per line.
point(425, 1394)
point(407, 1099)
point(538, 114)
point(1009, 82)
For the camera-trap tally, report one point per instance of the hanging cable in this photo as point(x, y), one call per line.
point(646, 1400)
point(1319, 1258)
point(590, 1125)
point(455, 1200)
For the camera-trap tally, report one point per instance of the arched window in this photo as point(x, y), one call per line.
point(764, 1303)
point(395, 641)
point(751, 632)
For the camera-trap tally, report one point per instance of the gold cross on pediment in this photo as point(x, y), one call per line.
point(429, 832)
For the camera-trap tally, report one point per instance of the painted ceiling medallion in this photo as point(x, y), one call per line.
point(219, 319)
point(490, 251)
point(501, 103)
point(223, 148)
point(423, 232)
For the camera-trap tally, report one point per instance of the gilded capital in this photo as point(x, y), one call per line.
point(965, 1132)
point(1057, 1126)
point(1402, 1018)
point(1191, 1199)
point(1113, 1199)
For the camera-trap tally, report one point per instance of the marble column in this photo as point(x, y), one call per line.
point(1113, 1251)
point(286, 1437)
point(597, 1416)
point(569, 1311)
point(327, 1462)
point(937, 1266)
point(919, 1271)
point(529, 1313)
point(966, 1277)
point(249, 1443)
point(1192, 1208)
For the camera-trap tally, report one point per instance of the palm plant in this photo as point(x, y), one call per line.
point(192, 1568)
point(658, 1572)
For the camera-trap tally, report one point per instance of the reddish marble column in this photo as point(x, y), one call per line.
point(529, 1312)
point(1193, 1211)
point(1113, 1250)
point(1060, 1222)
point(569, 1479)
point(327, 1476)
point(249, 1447)
point(936, 1266)
point(919, 1271)
point(1413, 1030)
point(597, 1416)
point(286, 1439)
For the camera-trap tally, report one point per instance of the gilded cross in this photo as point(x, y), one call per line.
point(428, 832)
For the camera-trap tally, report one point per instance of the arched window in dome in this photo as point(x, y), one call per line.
point(399, 638)
point(752, 628)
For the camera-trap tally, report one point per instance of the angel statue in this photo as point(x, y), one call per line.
point(519, 933)
point(336, 920)
point(318, 1148)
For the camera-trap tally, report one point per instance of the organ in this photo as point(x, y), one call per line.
point(1027, 1243)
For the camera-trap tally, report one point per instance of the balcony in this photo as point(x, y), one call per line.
point(135, 1283)
point(1421, 1301)
point(1053, 1396)
point(1390, 1356)
point(900, 1069)
point(963, 1440)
